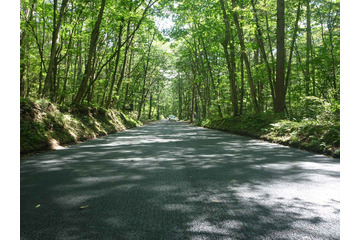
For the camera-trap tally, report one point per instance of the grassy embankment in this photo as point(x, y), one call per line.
point(45, 126)
point(319, 133)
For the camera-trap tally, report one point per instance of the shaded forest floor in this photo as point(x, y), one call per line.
point(314, 136)
point(46, 126)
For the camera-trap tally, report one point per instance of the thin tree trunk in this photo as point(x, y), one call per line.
point(308, 47)
point(88, 69)
point(23, 48)
point(122, 73)
point(62, 98)
point(150, 108)
point(180, 98)
point(119, 45)
point(330, 28)
point(246, 59)
point(49, 90)
point(192, 101)
point(144, 90)
point(230, 61)
point(129, 77)
point(288, 72)
point(242, 90)
point(262, 49)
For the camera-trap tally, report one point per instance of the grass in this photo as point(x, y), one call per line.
point(312, 135)
point(44, 125)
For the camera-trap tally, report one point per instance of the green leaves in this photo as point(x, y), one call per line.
point(196, 54)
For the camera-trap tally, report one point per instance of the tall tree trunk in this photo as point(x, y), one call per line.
point(144, 90)
point(262, 49)
point(279, 104)
point(192, 101)
point(62, 98)
point(246, 59)
point(129, 77)
point(49, 90)
point(308, 47)
point(93, 42)
point(230, 61)
point(116, 64)
point(107, 75)
point(40, 80)
point(122, 73)
point(180, 92)
point(333, 65)
point(288, 72)
point(215, 88)
point(150, 107)
point(242, 89)
point(23, 48)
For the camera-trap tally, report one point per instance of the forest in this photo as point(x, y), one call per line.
point(269, 69)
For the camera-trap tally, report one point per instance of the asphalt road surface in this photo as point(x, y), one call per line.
point(175, 181)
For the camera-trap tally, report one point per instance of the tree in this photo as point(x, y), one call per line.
point(49, 87)
point(279, 105)
point(225, 58)
point(92, 49)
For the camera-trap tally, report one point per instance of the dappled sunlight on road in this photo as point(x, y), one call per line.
point(174, 181)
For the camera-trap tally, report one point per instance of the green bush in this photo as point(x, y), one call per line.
point(32, 136)
point(316, 109)
point(310, 134)
point(332, 136)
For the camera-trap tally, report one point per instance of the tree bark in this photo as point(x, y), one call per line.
point(308, 47)
point(230, 61)
point(262, 49)
point(93, 42)
point(23, 48)
point(49, 90)
point(242, 89)
point(122, 73)
point(116, 64)
point(246, 59)
point(150, 107)
point(180, 92)
point(288, 72)
point(279, 104)
point(144, 90)
point(212, 80)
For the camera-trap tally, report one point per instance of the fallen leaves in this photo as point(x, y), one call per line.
point(83, 207)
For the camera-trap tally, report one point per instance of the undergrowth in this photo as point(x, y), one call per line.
point(44, 125)
point(314, 127)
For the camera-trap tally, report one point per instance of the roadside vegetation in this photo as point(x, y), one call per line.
point(319, 133)
point(45, 126)
point(268, 69)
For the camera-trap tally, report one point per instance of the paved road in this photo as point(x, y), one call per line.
point(175, 181)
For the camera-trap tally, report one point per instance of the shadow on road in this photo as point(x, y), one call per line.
point(175, 181)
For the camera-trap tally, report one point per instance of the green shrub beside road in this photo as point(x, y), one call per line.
point(316, 136)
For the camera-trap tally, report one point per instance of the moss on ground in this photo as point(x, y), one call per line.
point(314, 136)
point(43, 125)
